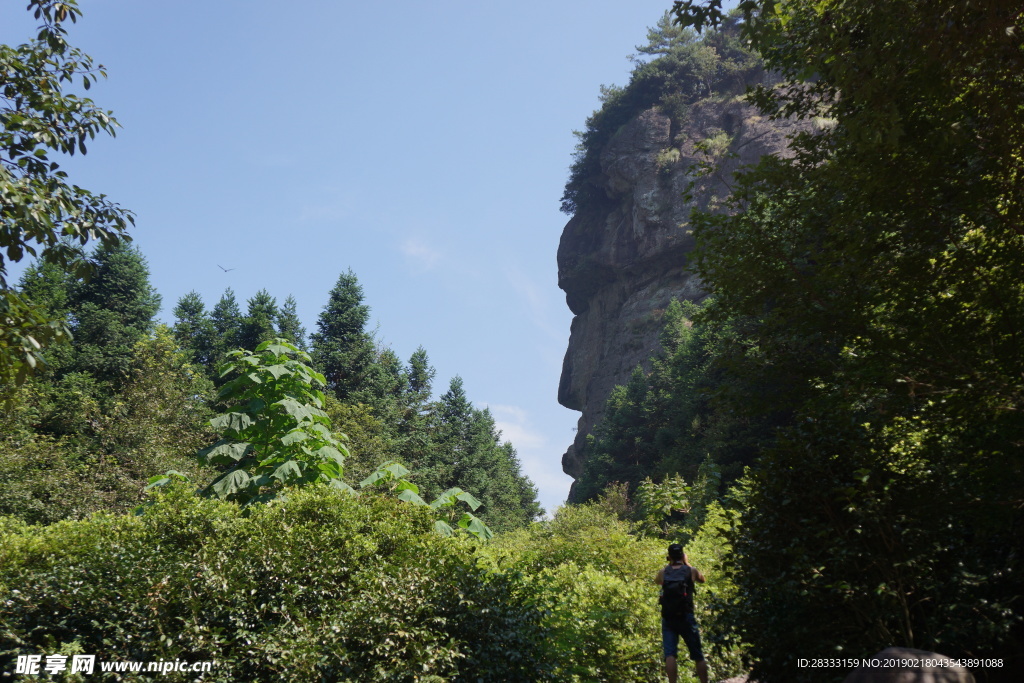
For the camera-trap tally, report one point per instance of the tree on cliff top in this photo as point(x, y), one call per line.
point(41, 213)
point(685, 69)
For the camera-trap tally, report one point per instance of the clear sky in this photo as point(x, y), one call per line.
point(424, 145)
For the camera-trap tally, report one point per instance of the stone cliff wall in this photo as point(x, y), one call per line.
point(621, 263)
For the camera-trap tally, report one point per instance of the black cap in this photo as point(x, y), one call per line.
point(675, 551)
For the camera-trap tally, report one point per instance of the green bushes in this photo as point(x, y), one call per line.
point(593, 573)
point(595, 583)
point(324, 586)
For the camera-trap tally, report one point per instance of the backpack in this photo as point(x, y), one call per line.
point(676, 592)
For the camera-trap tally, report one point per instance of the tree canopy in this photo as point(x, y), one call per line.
point(43, 214)
point(876, 275)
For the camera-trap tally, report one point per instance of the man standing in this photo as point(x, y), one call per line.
point(677, 586)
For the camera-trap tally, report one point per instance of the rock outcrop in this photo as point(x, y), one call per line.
point(621, 263)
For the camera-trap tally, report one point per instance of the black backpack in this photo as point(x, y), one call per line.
point(676, 592)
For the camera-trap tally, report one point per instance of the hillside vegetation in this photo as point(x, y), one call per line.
point(853, 387)
point(836, 435)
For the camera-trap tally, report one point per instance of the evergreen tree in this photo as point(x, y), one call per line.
point(342, 349)
point(49, 287)
point(465, 451)
point(194, 330)
point(258, 325)
point(227, 324)
point(421, 376)
point(288, 325)
point(112, 312)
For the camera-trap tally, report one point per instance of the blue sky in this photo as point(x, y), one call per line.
point(424, 145)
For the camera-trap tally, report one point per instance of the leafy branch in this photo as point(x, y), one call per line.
point(391, 476)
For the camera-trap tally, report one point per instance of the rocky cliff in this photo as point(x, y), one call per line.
point(621, 261)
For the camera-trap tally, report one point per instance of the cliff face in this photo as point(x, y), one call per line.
point(621, 263)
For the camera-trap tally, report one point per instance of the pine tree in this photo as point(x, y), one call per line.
point(227, 323)
point(289, 326)
point(194, 330)
point(421, 375)
point(465, 450)
point(112, 312)
point(258, 324)
point(342, 349)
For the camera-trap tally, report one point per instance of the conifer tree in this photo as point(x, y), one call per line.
point(258, 325)
point(384, 388)
point(112, 312)
point(342, 349)
point(227, 323)
point(289, 326)
point(194, 330)
point(421, 375)
point(466, 451)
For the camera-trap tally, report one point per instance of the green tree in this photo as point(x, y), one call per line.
point(194, 330)
point(288, 324)
point(421, 375)
point(259, 323)
point(227, 324)
point(103, 454)
point(342, 349)
point(465, 451)
point(112, 312)
point(878, 273)
point(41, 213)
point(275, 433)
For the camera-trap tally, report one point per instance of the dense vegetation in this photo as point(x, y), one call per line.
point(836, 435)
point(861, 354)
point(138, 399)
point(674, 70)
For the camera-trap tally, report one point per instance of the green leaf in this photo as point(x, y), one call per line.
point(277, 347)
point(288, 471)
point(300, 411)
point(443, 528)
point(386, 472)
point(278, 371)
point(164, 479)
point(475, 526)
point(332, 453)
point(404, 485)
point(294, 436)
point(410, 496)
point(231, 483)
point(236, 422)
point(468, 498)
point(224, 452)
point(342, 486)
point(396, 469)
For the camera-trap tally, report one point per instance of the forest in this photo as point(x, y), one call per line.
point(835, 433)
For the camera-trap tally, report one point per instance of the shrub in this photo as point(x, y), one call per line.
point(595, 583)
point(322, 586)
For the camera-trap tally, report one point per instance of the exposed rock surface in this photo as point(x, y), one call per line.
point(621, 263)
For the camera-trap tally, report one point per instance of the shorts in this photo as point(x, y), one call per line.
point(685, 627)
